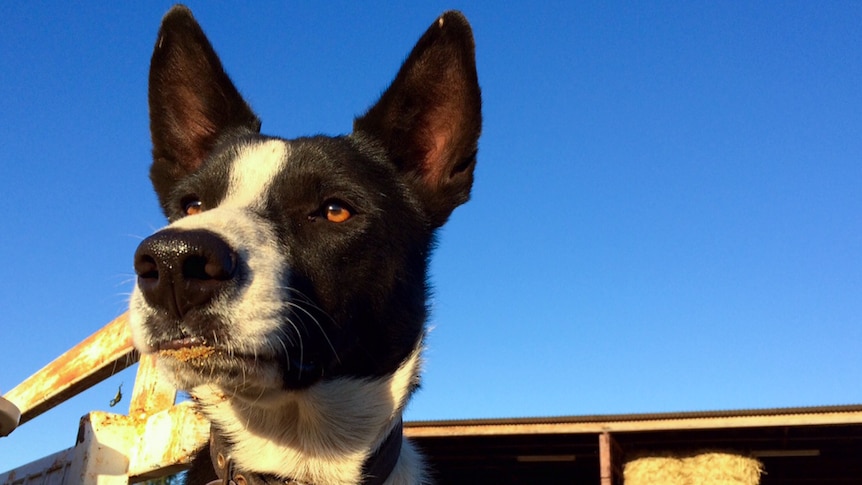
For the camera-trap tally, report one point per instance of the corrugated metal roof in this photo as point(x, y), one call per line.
point(848, 409)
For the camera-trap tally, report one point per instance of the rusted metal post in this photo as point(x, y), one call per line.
point(156, 438)
point(102, 449)
point(167, 441)
point(99, 356)
point(152, 393)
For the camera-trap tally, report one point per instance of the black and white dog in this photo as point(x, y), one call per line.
point(288, 295)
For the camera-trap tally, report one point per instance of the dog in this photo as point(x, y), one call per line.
point(288, 294)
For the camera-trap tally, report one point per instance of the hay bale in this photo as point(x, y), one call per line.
point(723, 469)
point(653, 470)
point(704, 468)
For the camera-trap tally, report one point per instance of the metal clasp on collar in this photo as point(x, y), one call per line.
point(226, 464)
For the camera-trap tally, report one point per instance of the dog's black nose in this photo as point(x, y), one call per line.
point(182, 270)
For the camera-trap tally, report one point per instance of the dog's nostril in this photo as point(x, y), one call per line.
point(221, 265)
point(217, 264)
point(146, 267)
point(194, 268)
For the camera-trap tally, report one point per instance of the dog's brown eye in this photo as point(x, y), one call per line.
point(192, 207)
point(337, 212)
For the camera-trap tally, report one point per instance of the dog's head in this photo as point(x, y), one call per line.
point(289, 262)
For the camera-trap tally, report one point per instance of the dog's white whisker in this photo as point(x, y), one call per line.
point(307, 301)
point(314, 319)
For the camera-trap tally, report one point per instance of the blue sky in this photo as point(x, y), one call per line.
point(667, 213)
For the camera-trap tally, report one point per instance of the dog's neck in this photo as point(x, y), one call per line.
point(323, 435)
point(375, 471)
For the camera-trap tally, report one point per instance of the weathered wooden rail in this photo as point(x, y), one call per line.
point(111, 449)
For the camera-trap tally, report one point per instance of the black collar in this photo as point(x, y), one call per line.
point(375, 470)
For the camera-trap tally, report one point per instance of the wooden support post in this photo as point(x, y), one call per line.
point(610, 460)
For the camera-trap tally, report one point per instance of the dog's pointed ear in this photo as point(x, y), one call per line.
point(192, 101)
point(430, 118)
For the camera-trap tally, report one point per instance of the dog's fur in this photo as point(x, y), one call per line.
point(288, 294)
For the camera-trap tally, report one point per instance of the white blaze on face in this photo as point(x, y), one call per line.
point(258, 311)
point(252, 174)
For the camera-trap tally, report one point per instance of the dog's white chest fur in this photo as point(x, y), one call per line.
point(322, 434)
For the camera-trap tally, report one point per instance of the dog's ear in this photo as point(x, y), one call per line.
point(430, 118)
point(193, 102)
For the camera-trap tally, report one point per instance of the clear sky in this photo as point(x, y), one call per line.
point(667, 213)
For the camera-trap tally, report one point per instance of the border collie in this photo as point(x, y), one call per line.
point(288, 294)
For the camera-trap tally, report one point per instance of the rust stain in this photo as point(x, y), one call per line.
point(103, 353)
point(91, 361)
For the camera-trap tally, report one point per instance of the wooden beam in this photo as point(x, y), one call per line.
point(98, 357)
point(610, 460)
point(596, 425)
